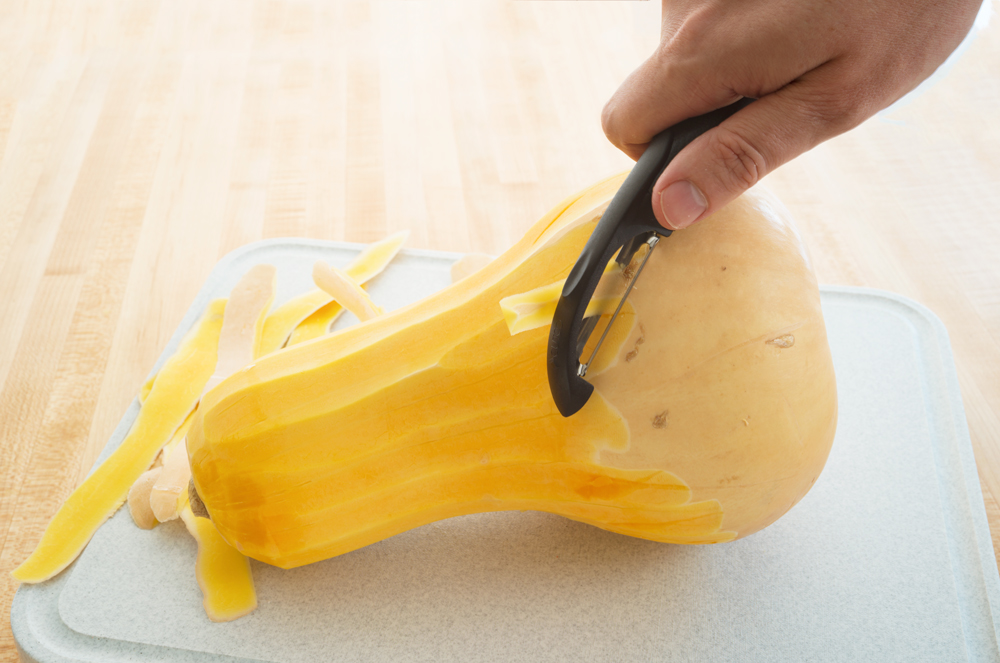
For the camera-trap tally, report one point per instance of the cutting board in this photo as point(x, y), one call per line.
point(888, 558)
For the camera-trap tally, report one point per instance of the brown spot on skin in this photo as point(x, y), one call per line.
point(635, 349)
point(660, 420)
point(723, 268)
point(785, 341)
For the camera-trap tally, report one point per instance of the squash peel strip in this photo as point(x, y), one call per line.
point(173, 396)
point(345, 291)
point(146, 387)
point(310, 315)
point(536, 308)
point(316, 325)
point(138, 494)
point(138, 499)
point(175, 439)
point(223, 573)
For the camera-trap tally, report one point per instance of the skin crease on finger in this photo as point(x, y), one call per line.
point(818, 68)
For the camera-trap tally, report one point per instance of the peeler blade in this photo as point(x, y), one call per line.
point(588, 332)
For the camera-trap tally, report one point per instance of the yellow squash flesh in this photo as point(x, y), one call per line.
point(713, 412)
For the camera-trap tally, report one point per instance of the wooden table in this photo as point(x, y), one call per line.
point(140, 141)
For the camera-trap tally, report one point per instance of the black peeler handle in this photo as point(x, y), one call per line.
point(627, 222)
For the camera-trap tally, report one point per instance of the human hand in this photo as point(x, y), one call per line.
point(817, 68)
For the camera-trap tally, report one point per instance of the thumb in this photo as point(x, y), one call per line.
point(725, 161)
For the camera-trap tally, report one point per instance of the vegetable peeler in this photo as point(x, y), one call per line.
point(626, 226)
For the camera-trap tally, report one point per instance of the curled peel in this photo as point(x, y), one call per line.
point(345, 291)
point(536, 308)
point(172, 397)
point(223, 572)
point(317, 320)
point(138, 499)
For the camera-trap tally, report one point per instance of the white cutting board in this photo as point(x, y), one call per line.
point(888, 558)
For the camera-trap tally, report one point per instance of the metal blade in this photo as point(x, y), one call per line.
point(590, 323)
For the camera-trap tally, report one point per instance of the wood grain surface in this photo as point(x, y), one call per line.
point(142, 140)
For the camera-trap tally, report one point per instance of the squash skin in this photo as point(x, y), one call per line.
point(707, 433)
point(739, 369)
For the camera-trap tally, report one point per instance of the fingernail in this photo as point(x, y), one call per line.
point(682, 203)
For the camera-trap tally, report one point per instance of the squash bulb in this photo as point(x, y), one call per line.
point(713, 412)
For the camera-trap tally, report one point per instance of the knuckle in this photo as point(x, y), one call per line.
point(608, 122)
point(837, 112)
point(612, 124)
point(688, 35)
point(743, 163)
point(837, 108)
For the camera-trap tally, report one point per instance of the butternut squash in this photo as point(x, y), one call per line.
point(713, 412)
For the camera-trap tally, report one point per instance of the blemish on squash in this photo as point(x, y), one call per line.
point(783, 341)
point(660, 420)
point(635, 349)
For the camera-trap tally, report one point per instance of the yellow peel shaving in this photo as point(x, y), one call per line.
point(175, 439)
point(223, 572)
point(535, 308)
point(316, 325)
point(346, 291)
point(146, 387)
point(285, 319)
point(366, 266)
point(164, 458)
point(174, 394)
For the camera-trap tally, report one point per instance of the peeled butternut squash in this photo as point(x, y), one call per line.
point(713, 412)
